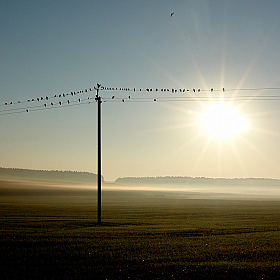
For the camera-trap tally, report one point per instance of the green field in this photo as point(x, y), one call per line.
point(144, 235)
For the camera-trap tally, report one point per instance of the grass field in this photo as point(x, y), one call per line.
point(144, 235)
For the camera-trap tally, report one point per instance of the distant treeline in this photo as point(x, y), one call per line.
point(54, 175)
point(91, 178)
point(202, 181)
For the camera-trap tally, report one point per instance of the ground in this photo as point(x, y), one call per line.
point(144, 235)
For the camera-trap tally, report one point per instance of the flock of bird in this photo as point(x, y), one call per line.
point(73, 93)
point(191, 96)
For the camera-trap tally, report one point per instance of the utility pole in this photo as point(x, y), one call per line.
point(98, 100)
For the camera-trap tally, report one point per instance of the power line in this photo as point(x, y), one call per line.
point(171, 90)
point(90, 100)
point(52, 105)
point(47, 98)
point(191, 97)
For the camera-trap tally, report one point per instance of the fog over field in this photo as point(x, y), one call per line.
point(22, 181)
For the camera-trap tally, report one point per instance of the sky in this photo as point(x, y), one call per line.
point(54, 47)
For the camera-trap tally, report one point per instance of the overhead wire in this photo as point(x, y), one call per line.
point(47, 98)
point(59, 104)
point(191, 97)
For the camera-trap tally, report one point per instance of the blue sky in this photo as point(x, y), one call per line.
point(56, 47)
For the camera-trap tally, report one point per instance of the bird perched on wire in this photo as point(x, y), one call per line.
point(172, 14)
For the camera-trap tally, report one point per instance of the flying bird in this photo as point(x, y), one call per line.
point(172, 14)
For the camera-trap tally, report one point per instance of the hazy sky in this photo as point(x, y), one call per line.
point(55, 47)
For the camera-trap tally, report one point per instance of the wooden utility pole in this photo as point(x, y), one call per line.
point(98, 100)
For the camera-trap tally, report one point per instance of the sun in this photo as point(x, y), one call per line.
point(221, 120)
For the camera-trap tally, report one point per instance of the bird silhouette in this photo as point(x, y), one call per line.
point(172, 14)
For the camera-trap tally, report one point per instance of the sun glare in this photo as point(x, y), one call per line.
point(221, 120)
